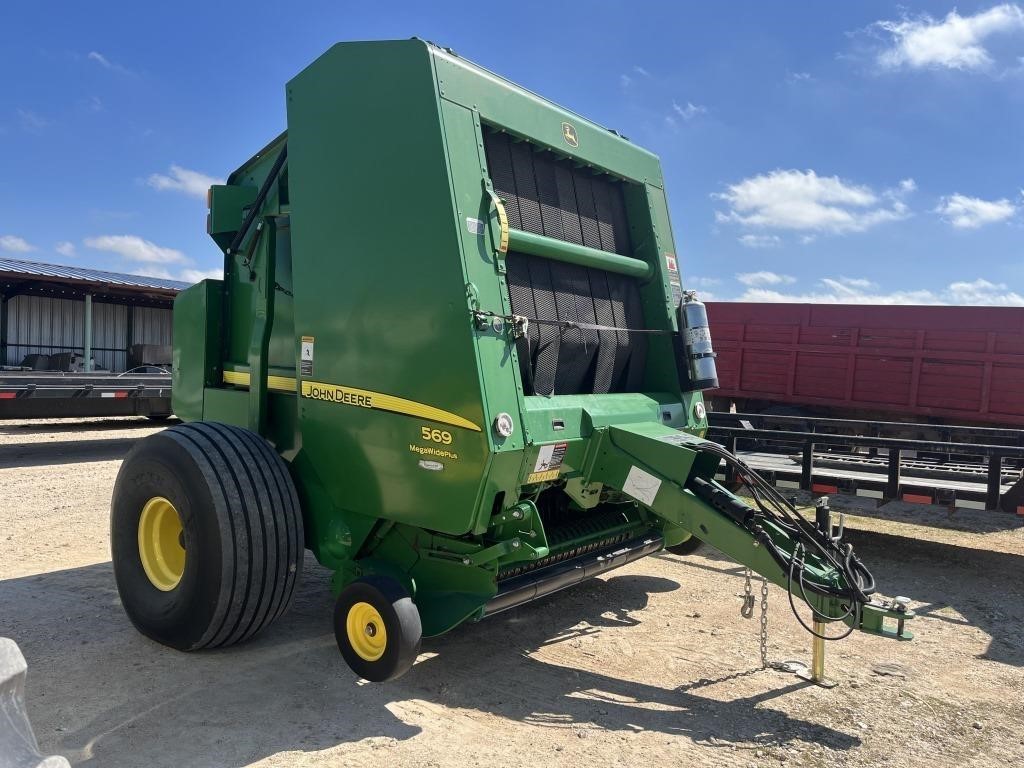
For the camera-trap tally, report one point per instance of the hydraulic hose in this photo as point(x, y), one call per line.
point(858, 581)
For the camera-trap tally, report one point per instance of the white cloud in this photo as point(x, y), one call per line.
point(183, 180)
point(134, 248)
point(625, 81)
point(765, 278)
point(32, 122)
point(799, 77)
point(13, 244)
point(982, 291)
point(641, 71)
point(856, 282)
point(64, 248)
point(965, 212)
point(979, 292)
point(698, 281)
point(760, 241)
point(106, 63)
point(195, 275)
point(100, 58)
point(690, 111)
point(805, 201)
point(907, 186)
point(955, 42)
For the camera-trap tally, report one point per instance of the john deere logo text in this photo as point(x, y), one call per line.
point(569, 134)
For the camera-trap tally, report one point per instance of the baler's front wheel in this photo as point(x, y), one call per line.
point(206, 535)
point(378, 628)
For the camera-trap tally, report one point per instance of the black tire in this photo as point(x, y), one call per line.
point(687, 547)
point(241, 531)
point(402, 628)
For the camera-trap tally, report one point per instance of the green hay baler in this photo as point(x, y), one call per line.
point(452, 356)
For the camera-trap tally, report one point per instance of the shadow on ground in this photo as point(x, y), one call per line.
point(984, 588)
point(100, 424)
point(64, 452)
point(101, 694)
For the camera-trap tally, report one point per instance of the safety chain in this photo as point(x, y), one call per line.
point(747, 609)
point(764, 623)
point(747, 612)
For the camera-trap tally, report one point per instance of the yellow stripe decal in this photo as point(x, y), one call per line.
point(361, 398)
point(241, 379)
point(364, 398)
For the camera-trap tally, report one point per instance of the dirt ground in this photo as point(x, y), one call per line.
point(650, 665)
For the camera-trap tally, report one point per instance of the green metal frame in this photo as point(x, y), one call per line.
point(375, 250)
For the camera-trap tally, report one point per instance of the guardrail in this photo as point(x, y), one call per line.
point(893, 448)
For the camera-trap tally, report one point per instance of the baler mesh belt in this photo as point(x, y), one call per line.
point(584, 340)
point(581, 341)
point(548, 195)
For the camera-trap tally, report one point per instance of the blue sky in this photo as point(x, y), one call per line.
point(860, 152)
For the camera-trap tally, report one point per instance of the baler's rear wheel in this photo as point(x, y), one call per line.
point(687, 547)
point(206, 535)
point(378, 628)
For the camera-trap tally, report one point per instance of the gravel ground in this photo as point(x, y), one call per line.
point(651, 664)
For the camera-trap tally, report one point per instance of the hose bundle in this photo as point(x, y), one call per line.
point(858, 583)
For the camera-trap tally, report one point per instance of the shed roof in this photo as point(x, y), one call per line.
point(20, 276)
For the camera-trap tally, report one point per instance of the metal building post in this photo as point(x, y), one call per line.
point(4, 303)
point(88, 332)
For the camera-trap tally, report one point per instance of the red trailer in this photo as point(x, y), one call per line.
point(955, 365)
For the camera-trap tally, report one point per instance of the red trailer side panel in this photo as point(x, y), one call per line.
point(955, 364)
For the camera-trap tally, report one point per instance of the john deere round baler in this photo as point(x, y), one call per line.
point(452, 356)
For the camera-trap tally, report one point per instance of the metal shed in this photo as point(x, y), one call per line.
point(49, 309)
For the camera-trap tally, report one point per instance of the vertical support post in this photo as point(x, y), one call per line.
point(3, 330)
point(807, 467)
point(892, 483)
point(263, 319)
point(818, 654)
point(730, 472)
point(88, 332)
point(129, 333)
point(816, 674)
point(995, 478)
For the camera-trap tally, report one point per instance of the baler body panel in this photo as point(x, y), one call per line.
point(465, 395)
point(383, 295)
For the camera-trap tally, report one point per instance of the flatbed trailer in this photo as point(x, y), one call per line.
point(48, 395)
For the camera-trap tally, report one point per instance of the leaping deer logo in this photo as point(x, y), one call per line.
point(569, 134)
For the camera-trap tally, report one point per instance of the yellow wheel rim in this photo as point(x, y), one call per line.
point(366, 633)
point(160, 543)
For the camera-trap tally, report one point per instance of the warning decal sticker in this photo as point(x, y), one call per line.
point(673, 278)
point(549, 463)
point(642, 486)
point(306, 357)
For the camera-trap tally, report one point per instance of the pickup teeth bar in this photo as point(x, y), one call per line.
point(544, 581)
point(521, 568)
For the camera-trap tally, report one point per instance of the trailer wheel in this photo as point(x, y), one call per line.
point(687, 547)
point(206, 535)
point(378, 628)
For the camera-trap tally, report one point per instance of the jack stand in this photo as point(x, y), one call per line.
point(817, 671)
